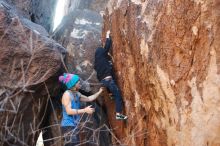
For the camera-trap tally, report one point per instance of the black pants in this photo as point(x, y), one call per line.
point(111, 85)
point(71, 135)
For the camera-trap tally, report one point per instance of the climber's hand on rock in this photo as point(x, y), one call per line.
point(108, 34)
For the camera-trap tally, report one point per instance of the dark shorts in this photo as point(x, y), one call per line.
point(70, 135)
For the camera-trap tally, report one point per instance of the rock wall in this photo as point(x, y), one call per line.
point(80, 33)
point(38, 11)
point(166, 57)
point(29, 65)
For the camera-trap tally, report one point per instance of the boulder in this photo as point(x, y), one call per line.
point(29, 66)
point(38, 11)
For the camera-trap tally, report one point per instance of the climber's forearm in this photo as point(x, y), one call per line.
point(75, 111)
point(108, 44)
point(90, 98)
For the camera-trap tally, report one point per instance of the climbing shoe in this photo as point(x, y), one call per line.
point(121, 117)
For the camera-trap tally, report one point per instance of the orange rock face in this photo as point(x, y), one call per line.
point(166, 57)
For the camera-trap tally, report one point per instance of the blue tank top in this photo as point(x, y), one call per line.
point(71, 120)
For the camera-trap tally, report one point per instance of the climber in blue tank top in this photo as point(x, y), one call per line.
point(71, 108)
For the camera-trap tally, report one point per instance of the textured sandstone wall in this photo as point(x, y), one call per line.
point(166, 57)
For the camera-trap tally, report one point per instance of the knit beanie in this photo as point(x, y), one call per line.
point(69, 80)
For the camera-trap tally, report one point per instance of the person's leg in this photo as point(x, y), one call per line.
point(110, 84)
point(71, 136)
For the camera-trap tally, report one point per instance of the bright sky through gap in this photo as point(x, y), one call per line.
point(59, 13)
